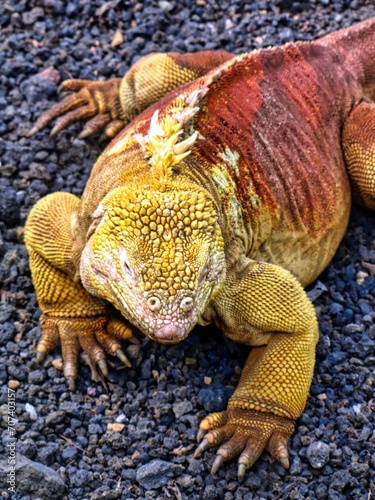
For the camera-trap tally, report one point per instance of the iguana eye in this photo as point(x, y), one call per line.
point(126, 267)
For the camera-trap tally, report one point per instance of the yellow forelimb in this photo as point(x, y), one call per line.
point(266, 304)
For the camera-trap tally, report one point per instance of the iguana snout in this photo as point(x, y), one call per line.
point(168, 318)
point(156, 256)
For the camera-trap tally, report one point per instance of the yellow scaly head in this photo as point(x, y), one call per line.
point(156, 251)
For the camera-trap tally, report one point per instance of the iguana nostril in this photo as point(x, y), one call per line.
point(186, 304)
point(154, 304)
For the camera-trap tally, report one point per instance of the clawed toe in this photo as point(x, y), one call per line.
point(284, 462)
point(97, 102)
point(40, 356)
point(205, 444)
point(122, 357)
point(71, 384)
point(278, 447)
point(218, 462)
point(201, 434)
point(103, 367)
point(245, 434)
point(241, 470)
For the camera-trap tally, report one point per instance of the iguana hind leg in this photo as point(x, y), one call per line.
point(264, 306)
point(358, 141)
point(112, 104)
point(71, 316)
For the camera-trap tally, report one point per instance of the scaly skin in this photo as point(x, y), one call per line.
point(217, 203)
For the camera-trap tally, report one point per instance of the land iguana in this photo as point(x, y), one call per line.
point(226, 190)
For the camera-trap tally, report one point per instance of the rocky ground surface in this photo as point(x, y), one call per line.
point(67, 444)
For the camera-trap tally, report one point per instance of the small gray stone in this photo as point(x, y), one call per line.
point(214, 397)
point(182, 408)
point(9, 206)
point(296, 466)
point(80, 478)
point(36, 89)
point(55, 417)
point(154, 474)
point(318, 454)
point(69, 453)
point(32, 16)
point(7, 332)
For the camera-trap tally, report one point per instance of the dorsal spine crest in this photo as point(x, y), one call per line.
point(162, 146)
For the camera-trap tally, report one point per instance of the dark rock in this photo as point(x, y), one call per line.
point(7, 332)
point(318, 454)
point(33, 15)
point(296, 466)
point(27, 448)
point(56, 417)
point(155, 474)
point(46, 454)
point(340, 480)
point(80, 478)
point(9, 206)
point(33, 478)
point(182, 408)
point(70, 453)
point(214, 398)
point(36, 377)
point(36, 89)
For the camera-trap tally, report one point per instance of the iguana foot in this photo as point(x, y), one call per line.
point(96, 336)
point(98, 102)
point(246, 433)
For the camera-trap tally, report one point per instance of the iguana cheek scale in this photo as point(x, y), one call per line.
point(228, 192)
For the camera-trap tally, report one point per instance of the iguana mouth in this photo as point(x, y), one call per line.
point(169, 334)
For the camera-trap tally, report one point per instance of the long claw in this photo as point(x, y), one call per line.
point(121, 356)
point(95, 125)
point(103, 138)
point(40, 356)
point(241, 470)
point(80, 114)
point(85, 133)
point(33, 131)
point(218, 462)
point(200, 435)
point(71, 384)
point(202, 448)
point(55, 130)
point(103, 366)
point(284, 462)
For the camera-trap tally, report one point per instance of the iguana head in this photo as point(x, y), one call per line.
point(156, 250)
point(158, 256)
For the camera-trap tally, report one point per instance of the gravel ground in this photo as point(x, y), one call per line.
point(67, 446)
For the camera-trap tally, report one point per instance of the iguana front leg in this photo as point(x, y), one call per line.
point(112, 104)
point(71, 316)
point(264, 306)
